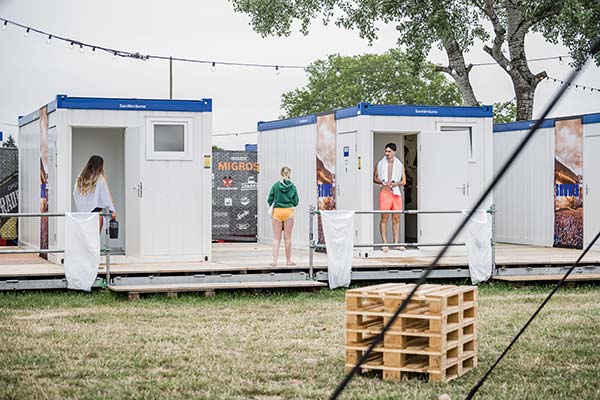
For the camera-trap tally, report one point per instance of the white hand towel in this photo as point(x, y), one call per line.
point(382, 172)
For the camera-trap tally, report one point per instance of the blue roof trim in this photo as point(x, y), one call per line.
point(286, 123)
point(415, 111)
point(387, 110)
point(522, 125)
point(92, 103)
point(591, 118)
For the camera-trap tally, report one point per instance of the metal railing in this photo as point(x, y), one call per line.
point(313, 244)
point(106, 251)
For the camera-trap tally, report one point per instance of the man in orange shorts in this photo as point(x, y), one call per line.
point(389, 173)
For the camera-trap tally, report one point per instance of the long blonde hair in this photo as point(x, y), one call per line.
point(285, 174)
point(93, 170)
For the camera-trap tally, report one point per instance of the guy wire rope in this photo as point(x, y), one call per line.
point(340, 388)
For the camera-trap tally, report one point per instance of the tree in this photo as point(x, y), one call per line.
point(387, 78)
point(10, 142)
point(505, 112)
point(216, 148)
point(453, 26)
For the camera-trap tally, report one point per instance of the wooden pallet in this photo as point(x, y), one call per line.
point(209, 289)
point(435, 336)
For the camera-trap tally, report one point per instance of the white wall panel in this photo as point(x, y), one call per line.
point(524, 198)
point(294, 147)
point(29, 183)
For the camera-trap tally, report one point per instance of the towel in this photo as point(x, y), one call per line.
point(338, 228)
point(382, 172)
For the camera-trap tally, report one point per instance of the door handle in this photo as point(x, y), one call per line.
point(464, 188)
point(139, 189)
point(586, 189)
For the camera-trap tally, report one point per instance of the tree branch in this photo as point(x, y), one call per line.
point(500, 35)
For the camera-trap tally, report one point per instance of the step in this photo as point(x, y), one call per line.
point(201, 287)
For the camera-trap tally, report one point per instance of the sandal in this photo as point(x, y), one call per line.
point(290, 263)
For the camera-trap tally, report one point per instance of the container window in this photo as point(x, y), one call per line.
point(169, 137)
point(467, 129)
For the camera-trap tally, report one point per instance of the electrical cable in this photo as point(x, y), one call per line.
point(507, 164)
point(476, 387)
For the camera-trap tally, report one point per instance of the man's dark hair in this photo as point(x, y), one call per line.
point(391, 146)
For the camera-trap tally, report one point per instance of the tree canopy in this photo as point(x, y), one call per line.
point(10, 142)
point(452, 26)
point(375, 78)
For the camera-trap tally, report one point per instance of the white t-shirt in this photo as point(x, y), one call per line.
point(97, 198)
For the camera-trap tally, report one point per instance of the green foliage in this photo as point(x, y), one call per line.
point(10, 142)
point(371, 78)
point(216, 148)
point(505, 112)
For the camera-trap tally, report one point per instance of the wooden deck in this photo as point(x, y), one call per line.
point(246, 258)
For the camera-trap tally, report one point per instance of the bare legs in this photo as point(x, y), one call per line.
point(395, 228)
point(285, 228)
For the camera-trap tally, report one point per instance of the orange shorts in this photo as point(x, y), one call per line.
point(387, 201)
point(283, 214)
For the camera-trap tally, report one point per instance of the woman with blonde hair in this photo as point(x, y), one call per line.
point(283, 197)
point(91, 193)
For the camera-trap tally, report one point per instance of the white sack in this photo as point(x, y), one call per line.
point(82, 250)
point(478, 240)
point(338, 228)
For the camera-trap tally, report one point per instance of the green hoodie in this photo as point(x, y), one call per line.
point(284, 194)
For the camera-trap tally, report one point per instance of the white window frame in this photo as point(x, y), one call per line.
point(461, 127)
point(185, 155)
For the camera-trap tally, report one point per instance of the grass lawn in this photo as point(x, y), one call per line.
point(56, 345)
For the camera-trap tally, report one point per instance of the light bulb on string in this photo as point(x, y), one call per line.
point(277, 70)
point(27, 32)
point(81, 48)
point(4, 25)
point(213, 67)
point(508, 67)
point(337, 72)
point(560, 60)
point(397, 73)
point(114, 55)
point(71, 46)
point(49, 39)
point(93, 51)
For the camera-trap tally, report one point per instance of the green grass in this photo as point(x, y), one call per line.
point(56, 345)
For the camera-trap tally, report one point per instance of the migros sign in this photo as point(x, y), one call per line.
point(237, 166)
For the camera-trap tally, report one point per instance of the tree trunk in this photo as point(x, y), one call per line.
point(459, 72)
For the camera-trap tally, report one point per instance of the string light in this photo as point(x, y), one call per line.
point(277, 67)
point(93, 51)
point(213, 67)
point(571, 84)
point(49, 39)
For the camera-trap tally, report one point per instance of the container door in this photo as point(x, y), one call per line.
point(442, 182)
point(346, 167)
point(134, 192)
point(591, 190)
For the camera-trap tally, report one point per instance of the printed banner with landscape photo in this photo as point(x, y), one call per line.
point(326, 142)
point(568, 176)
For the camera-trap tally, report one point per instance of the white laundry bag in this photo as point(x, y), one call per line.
point(478, 240)
point(338, 228)
point(82, 250)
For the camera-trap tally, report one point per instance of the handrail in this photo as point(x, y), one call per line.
point(312, 243)
point(104, 213)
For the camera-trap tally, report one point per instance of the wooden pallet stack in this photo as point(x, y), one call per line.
point(435, 336)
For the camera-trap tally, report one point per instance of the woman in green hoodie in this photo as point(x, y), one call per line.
point(283, 197)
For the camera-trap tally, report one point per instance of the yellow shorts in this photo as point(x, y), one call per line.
point(283, 214)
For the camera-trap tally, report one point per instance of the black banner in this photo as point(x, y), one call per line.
point(9, 203)
point(234, 200)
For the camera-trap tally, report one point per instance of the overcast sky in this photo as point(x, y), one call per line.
point(33, 72)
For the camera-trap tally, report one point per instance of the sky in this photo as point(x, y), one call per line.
point(32, 72)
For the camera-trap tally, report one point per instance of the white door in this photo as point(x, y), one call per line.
point(134, 192)
point(591, 190)
point(345, 177)
point(442, 182)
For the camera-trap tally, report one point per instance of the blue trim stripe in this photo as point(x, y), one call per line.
point(91, 103)
point(414, 111)
point(384, 110)
point(591, 118)
point(522, 125)
point(286, 123)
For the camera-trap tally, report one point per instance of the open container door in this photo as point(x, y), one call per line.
point(442, 183)
point(133, 192)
